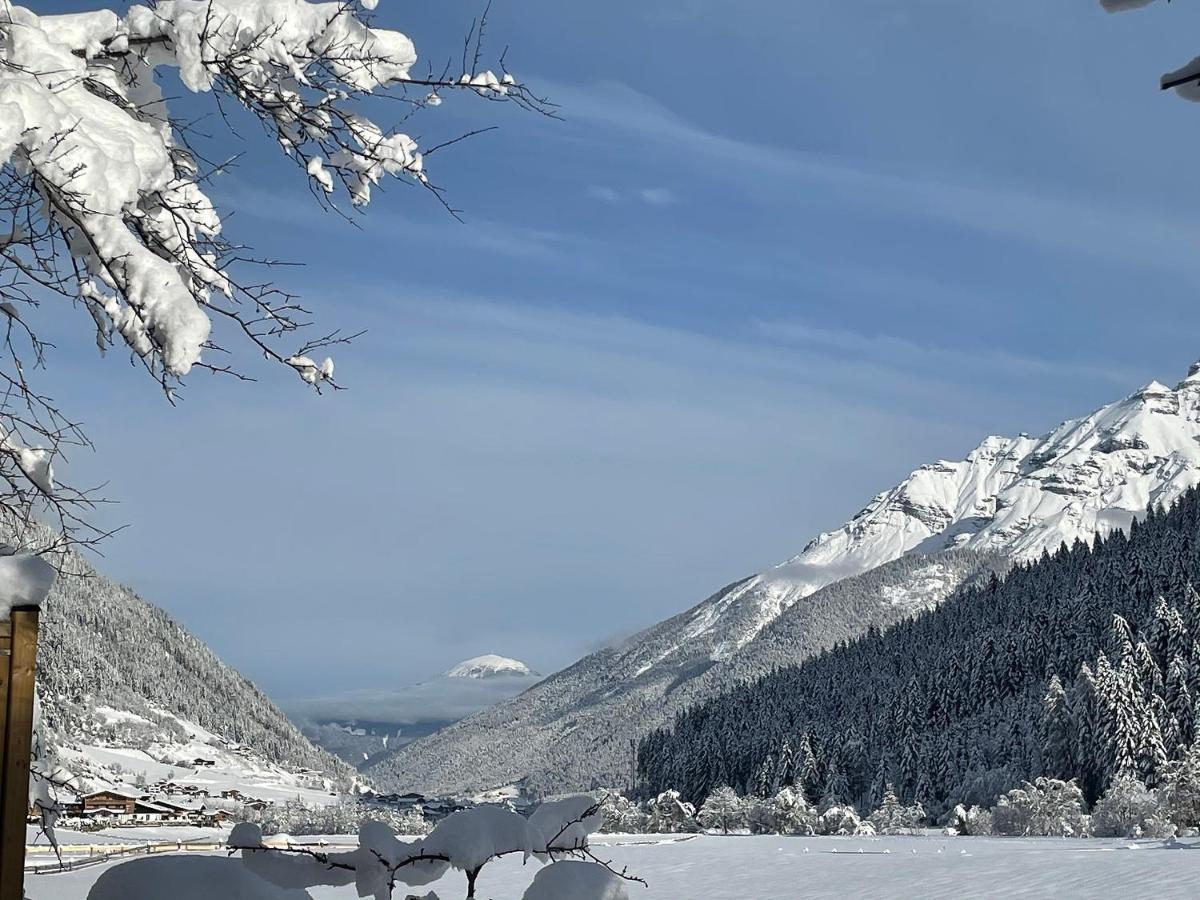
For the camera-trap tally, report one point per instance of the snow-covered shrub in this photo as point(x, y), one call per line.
point(1179, 789)
point(1047, 806)
point(970, 821)
point(668, 813)
point(838, 820)
point(723, 811)
point(792, 813)
point(785, 813)
point(622, 815)
point(894, 818)
point(466, 841)
point(1130, 809)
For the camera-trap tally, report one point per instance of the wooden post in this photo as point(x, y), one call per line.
point(18, 662)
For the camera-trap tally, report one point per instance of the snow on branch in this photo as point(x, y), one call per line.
point(104, 195)
point(466, 840)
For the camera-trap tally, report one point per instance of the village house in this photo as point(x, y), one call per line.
point(115, 803)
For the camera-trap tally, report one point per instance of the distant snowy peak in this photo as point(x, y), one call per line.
point(489, 666)
point(1020, 496)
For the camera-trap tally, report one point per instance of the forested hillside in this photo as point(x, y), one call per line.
point(88, 661)
point(1082, 665)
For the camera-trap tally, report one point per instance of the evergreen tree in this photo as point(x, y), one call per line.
point(1059, 727)
point(807, 769)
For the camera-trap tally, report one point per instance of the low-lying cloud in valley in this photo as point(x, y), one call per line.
point(441, 699)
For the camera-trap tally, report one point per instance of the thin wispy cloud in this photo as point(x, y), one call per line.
point(652, 196)
point(658, 196)
point(917, 356)
point(603, 193)
point(1100, 230)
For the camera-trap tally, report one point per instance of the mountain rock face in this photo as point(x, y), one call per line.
point(1009, 500)
point(127, 692)
point(1022, 496)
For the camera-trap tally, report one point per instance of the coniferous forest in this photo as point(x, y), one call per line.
point(1084, 665)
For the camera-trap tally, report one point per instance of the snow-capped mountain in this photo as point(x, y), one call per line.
point(1009, 499)
point(1024, 495)
point(489, 666)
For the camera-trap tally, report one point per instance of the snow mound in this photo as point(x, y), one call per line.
point(470, 837)
point(25, 580)
point(187, 878)
point(576, 880)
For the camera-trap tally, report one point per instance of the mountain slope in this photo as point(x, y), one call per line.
point(574, 729)
point(116, 673)
point(1010, 497)
point(1082, 665)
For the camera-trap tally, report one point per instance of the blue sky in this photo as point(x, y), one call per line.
point(773, 259)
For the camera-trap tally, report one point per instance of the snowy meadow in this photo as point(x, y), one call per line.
point(739, 867)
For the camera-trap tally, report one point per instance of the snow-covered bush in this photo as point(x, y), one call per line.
point(622, 815)
point(791, 813)
point(1047, 806)
point(668, 813)
point(970, 821)
point(894, 818)
point(724, 811)
point(1130, 809)
point(1179, 790)
point(465, 841)
point(838, 820)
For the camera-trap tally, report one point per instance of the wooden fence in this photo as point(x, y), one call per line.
point(18, 662)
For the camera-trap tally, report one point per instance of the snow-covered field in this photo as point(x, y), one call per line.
point(766, 868)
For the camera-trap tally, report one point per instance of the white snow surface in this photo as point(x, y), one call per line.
point(740, 867)
point(489, 666)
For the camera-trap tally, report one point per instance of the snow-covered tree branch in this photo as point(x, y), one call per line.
point(104, 196)
point(466, 841)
